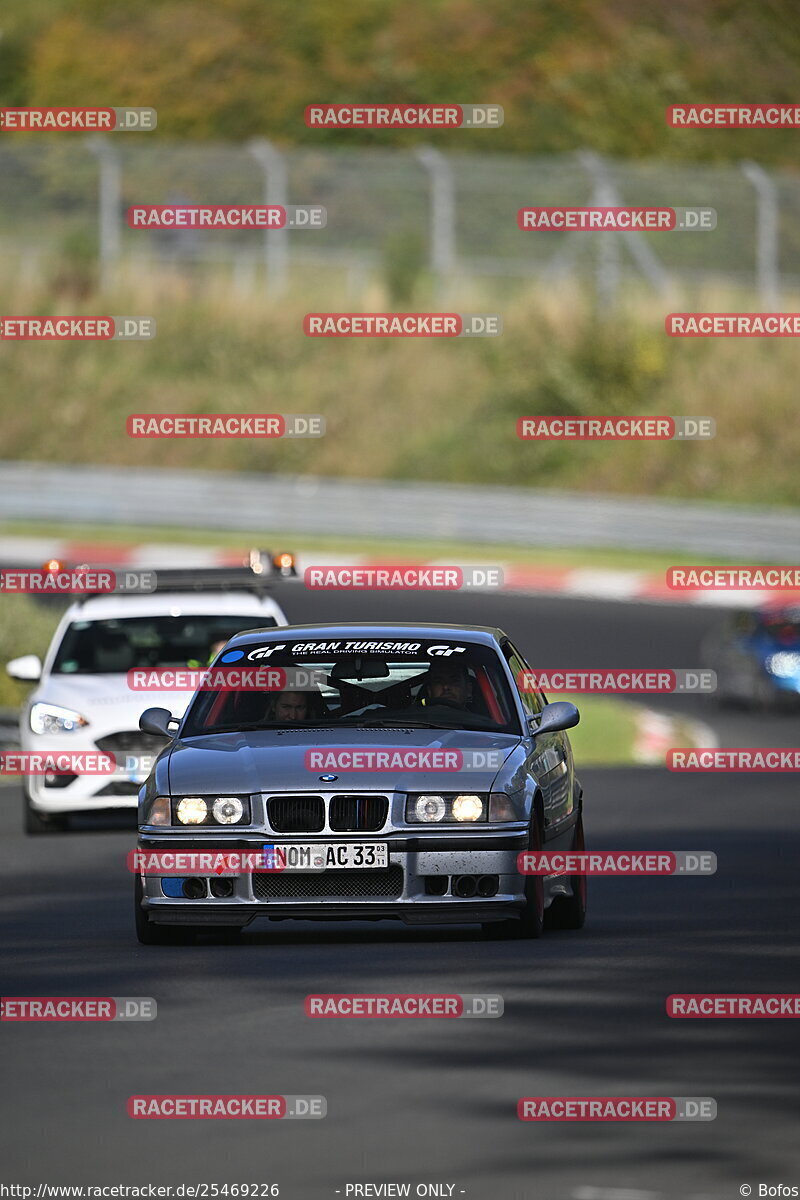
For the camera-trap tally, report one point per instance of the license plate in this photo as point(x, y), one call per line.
point(322, 856)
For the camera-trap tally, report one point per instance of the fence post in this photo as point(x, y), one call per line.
point(109, 197)
point(767, 266)
point(442, 235)
point(276, 189)
point(608, 268)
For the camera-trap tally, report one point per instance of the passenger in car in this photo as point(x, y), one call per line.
point(288, 707)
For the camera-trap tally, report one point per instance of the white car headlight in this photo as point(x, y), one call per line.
point(51, 718)
point(228, 810)
point(784, 664)
point(467, 808)
point(429, 808)
point(191, 810)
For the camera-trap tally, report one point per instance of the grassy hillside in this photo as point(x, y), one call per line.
point(411, 408)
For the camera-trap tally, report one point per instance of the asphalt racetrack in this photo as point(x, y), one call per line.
point(434, 1101)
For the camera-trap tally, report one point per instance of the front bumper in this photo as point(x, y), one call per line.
point(413, 862)
point(84, 793)
point(469, 912)
point(786, 690)
point(135, 753)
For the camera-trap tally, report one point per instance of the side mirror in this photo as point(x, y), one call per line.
point(27, 668)
point(554, 717)
point(156, 720)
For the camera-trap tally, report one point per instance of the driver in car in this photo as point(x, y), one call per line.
point(449, 684)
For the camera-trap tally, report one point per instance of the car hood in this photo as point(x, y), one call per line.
point(274, 761)
point(106, 700)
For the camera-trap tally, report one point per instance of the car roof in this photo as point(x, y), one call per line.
point(151, 604)
point(484, 635)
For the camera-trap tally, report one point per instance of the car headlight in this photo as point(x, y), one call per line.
point(468, 808)
point(429, 808)
point(191, 810)
point(461, 808)
point(211, 810)
point(51, 718)
point(784, 664)
point(228, 810)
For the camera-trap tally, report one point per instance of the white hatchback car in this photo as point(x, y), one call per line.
point(83, 701)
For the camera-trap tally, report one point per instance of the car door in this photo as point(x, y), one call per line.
point(550, 761)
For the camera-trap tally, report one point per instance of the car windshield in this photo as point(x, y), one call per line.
point(118, 645)
point(347, 683)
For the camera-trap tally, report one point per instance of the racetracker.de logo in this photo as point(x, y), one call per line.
point(622, 680)
point(225, 679)
point(226, 216)
point(226, 1108)
point(225, 425)
point(734, 1004)
point(730, 324)
point(404, 758)
point(177, 863)
point(734, 578)
point(57, 762)
point(382, 324)
point(615, 218)
point(55, 120)
point(76, 581)
point(616, 862)
point(407, 1005)
point(617, 1108)
point(78, 1008)
point(756, 758)
point(77, 329)
point(404, 116)
point(615, 429)
point(733, 116)
point(402, 578)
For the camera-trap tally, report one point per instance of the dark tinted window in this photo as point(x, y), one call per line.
point(532, 699)
point(425, 682)
point(119, 645)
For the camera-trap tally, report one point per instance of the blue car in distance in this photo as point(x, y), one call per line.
point(756, 656)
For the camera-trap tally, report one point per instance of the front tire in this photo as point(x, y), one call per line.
point(530, 922)
point(36, 822)
point(569, 912)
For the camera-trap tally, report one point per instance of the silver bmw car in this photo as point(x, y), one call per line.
point(360, 772)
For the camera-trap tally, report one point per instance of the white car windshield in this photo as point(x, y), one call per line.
point(118, 645)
